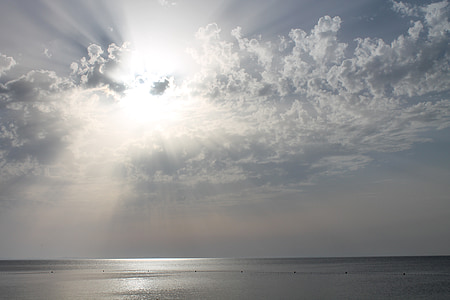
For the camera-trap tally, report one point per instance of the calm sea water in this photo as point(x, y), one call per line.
point(286, 278)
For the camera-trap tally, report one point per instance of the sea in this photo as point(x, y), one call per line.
point(228, 278)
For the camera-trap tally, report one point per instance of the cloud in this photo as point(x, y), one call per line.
point(6, 63)
point(34, 125)
point(46, 120)
point(167, 2)
point(159, 87)
point(437, 18)
point(334, 165)
point(47, 53)
point(289, 112)
point(99, 69)
point(310, 91)
point(35, 86)
point(405, 9)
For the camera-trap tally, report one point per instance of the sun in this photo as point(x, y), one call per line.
point(155, 96)
point(150, 102)
point(149, 97)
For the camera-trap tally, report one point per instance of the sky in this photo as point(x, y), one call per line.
point(258, 128)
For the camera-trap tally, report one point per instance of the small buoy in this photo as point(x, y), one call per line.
point(404, 273)
point(242, 271)
point(295, 272)
point(195, 271)
point(346, 272)
point(51, 272)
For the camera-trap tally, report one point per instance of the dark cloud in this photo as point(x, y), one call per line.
point(35, 86)
point(159, 87)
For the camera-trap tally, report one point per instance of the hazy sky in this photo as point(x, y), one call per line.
point(165, 128)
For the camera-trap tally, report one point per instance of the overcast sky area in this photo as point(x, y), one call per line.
point(216, 128)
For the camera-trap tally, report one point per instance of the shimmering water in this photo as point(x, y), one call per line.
point(285, 278)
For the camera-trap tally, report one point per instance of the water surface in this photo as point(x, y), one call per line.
point(270, 278)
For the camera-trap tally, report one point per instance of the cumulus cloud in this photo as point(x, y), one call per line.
point(99, 69)
point(6, 63)
point(290, 111)
point(437, 18)
point(405, 9)
point(305, 92)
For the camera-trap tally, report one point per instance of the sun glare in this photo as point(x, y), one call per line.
point(149, 96)
point(140, 105)
point(155, 97)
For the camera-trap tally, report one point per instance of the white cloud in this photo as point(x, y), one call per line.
point(94, 52)
point(47, 53)
point(437, 18)
point(167, 2)
point(101, 69)
point(405, 9)
point(6, 63)
point(307, 92)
